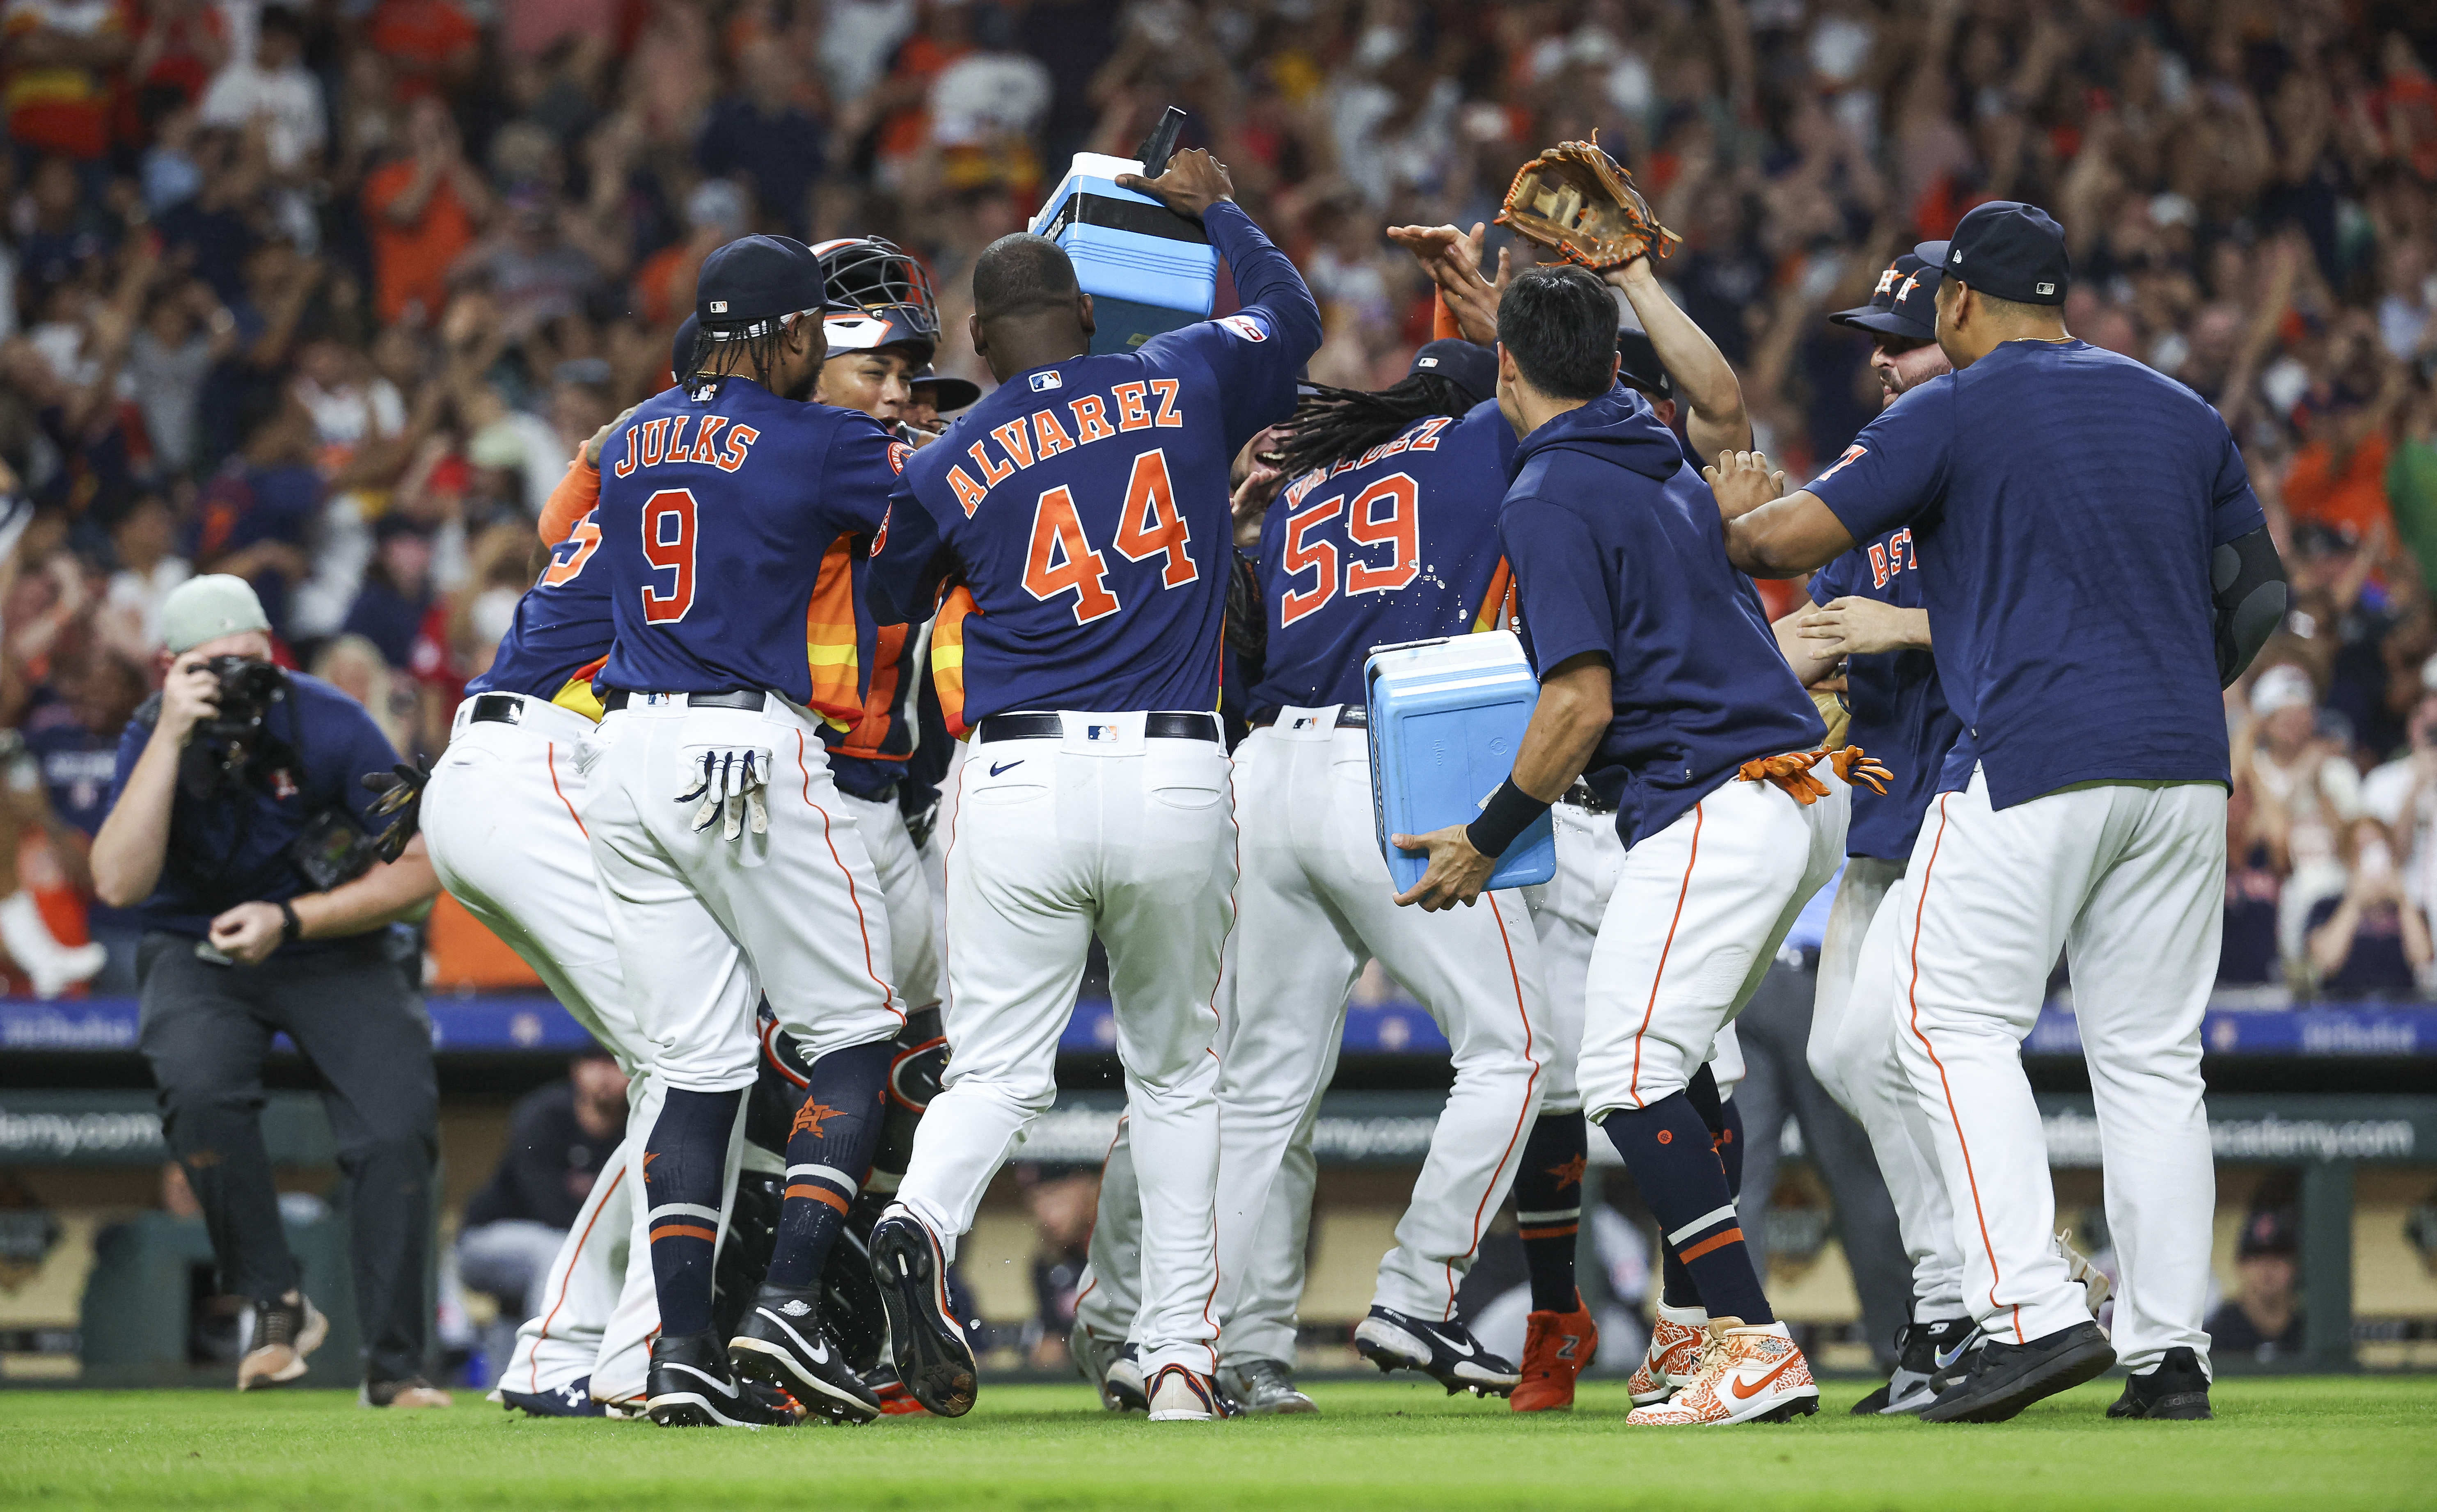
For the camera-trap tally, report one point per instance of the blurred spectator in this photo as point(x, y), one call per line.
point(73, 740)
point(276, 89)
point(397, 596)
point(256, 516)
point(2263, 1318)
point(424, 206)
point(55, 74)
point(559, 1140)
point(2369, 943)
point(763, 136)
point(1062, 1200)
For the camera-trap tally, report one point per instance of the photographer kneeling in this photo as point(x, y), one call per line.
point(242, 829)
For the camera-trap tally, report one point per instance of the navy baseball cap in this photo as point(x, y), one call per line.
point(2007, 248)
point(1472, 368)
point(1903, 304)
point(756, 285)
point(1637, 364)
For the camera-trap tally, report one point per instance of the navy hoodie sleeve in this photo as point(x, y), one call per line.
point(1568, 602)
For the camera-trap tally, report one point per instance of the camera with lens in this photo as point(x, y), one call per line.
point(224, 745)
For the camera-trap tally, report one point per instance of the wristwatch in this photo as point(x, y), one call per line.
point(292, 929)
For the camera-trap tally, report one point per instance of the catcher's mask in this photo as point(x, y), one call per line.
point(879, 295)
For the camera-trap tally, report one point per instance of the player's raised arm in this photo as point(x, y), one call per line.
point(1718, 421)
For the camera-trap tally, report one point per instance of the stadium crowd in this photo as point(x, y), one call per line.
point(325, 296)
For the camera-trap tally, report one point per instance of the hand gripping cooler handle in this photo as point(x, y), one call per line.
point(1156, 148)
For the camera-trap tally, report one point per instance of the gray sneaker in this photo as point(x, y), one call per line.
point(1264, 1388)
point(1102, 1361)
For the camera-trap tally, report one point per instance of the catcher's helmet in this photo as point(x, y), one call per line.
point(879, 295)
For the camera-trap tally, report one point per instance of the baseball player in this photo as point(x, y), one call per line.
point(2085, 804)
point(1560, 1337)
point(1653, 658)
point(729, 511)
point(1083, 506)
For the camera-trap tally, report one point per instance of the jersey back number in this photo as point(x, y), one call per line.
point(669, 547)
point(1387, 513)
point(568, 558)
point(1062, 559)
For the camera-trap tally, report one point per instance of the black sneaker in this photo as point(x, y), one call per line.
point(933, 1356)
point(2175, 1388)
point(1918, 1349)
point(574, 1400)
point(2007, 1378)
point(691, 1385)
point(1446, 1352)
point(781, 1343)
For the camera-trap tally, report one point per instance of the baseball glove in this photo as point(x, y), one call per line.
point(1576, 201)
point(1792, 771)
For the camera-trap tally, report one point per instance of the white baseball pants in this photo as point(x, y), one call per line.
point(915, 968)
point(1566, 915)
point(707, 925)
point(1317, 905)
point(2130, 881)
point(1696, 917)
point(1051, 841)
point(1854, 1054)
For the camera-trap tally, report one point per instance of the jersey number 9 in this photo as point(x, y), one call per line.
point(1062, 559)
point(1400, 529)
point(668, 546)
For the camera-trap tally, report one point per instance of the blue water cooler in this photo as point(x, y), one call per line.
point(1446, 718)
point(1147, 269)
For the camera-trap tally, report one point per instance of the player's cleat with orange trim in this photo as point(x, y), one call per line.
point(1181, 1395)
point(1446, 1352)
point(895, 1401)
point(574, 1400)
point(933, 1357)
point(1747, 1373)
point(2007, 1378)
point(1264, 1388)
point(285, 1332)
point(1674, 1349)
point(1557, 1347)
point(781, 1341)
point(692, 1385)
point(2176, 1387)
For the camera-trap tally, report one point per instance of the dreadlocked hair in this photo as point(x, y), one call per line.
point(759, 354)
point(1336, 423)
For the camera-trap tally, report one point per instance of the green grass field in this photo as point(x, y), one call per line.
point(2316, 1444)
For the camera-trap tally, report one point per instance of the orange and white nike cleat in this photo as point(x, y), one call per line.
point(1557, 1347)
point(1675, 1335)
point(1747, 1373)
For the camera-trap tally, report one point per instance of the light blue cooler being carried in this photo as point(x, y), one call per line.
point(1446, 717)
point(1147, 269)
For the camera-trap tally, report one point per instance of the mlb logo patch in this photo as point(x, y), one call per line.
point(1245, 326)
point(1426, 362)
point(719, 307)
point(1305, 721)
point(2045, 289)
point(1099, 732)
point(1043, 382)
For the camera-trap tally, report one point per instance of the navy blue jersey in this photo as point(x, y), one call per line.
point(729, 519)
point(319, 746)
point(562, 631)
point(2065, 502)
point(1900, 716)
point(79, 768)
point(1083, 505)
point(1399, 544)
point(1618, 549)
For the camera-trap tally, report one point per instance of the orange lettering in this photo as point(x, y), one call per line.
point(1130, 400)
point(626, 467)
point(1092, 418)
point(1017, 439)
point(993, 473)
point(656, 438)
point(739, 438)
point(676, 439)
point(1167, 390)
point(704, 451)
point(1052, 435)
point(969, 492)
point(1427, 439)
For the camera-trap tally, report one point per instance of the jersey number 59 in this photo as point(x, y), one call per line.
point(1062, 559)
point(1398, 529)
point(668, 546)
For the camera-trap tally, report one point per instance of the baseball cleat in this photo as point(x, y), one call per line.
point(1097, 1359)
point(692, 1385)
point(2176, 1387)
point(1264, 1388)
point(933, 1357)
point(1446, 1352)
point(895, 1401)
point(1747, 1373)
point(574, 1400)
point(1674, 1349)
point(1557, 1347)
point(1123, 1389)
point(2094, 1284)
point(285, 1332)
point(2007, 1378)
point(411, 1392)
point(781, 1343)
point(1181, 1395)
point(1921, 1349)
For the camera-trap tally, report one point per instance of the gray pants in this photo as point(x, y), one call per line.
point(206, 1031)
point(1774, 1030)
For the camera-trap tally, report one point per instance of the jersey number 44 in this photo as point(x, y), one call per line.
point(1062, 558)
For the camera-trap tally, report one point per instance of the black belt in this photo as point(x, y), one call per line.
point(1050, 727)
point(1348, 717)
point(498, 708)
point(1581, 796)
point(734, 698)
